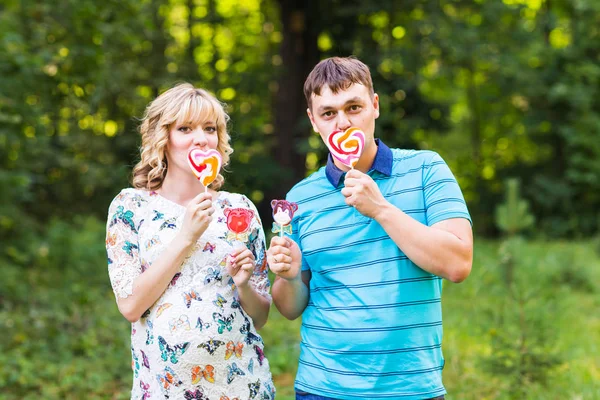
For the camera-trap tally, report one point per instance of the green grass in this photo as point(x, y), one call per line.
point(282, 338)
point(561, 280)
point(63, 337)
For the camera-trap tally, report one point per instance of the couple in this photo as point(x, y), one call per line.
point(363, 266)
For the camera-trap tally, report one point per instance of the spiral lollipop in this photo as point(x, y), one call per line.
point(347, 146)
point(205, 165)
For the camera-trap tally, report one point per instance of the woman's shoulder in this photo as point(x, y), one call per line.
point(131, 198)
point(234, 200)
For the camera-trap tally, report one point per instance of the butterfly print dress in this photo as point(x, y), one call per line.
point(196, 342)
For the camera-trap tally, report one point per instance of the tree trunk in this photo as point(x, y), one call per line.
point(299, 55)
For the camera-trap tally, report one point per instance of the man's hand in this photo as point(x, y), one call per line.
point(362, 193)
point(284, 258)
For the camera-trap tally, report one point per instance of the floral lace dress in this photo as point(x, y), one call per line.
point(196, 341)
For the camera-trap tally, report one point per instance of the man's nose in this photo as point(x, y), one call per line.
point(343, 122)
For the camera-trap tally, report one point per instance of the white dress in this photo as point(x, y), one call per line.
point(195, 342)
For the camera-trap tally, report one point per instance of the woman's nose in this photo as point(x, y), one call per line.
point(200, 138)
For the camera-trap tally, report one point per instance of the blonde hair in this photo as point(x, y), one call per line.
point(181, 103)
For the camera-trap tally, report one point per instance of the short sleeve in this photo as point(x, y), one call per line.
point(443, 197)
point(122, 245)
point(260, 277)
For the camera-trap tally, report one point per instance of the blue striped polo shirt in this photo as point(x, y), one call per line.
point(373, 325)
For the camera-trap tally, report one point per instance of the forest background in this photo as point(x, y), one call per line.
point(507, 92)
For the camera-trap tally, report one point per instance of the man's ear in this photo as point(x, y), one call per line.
point(312, 120)
point(376, 105)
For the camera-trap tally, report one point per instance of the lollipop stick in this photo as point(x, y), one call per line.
point(205, 187)
point(281, 230)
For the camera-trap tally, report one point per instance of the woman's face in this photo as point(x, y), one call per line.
point(184, 137)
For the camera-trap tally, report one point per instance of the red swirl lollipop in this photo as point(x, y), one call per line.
point(347, 146)
point(205, 165)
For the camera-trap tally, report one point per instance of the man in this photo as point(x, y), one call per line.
point(373, 244)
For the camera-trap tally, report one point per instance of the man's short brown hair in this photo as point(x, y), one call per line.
point(339, 73)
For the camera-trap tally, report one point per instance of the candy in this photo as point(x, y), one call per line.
point(205, 165)
point(347, 146)
point(283, 212)
point(238, 223)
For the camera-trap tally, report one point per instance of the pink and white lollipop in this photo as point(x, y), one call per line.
point(347, 146)
point(205, 165)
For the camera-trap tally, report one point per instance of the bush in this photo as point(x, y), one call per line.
point(64, 337)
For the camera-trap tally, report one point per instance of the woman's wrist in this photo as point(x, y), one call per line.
point(185, 240)
point(244, 290)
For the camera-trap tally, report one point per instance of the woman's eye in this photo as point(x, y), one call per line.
point(211, 129)
point(184, 129)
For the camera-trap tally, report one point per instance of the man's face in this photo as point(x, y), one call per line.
point(351, 107)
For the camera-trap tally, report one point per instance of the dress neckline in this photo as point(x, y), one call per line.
point(155, 194)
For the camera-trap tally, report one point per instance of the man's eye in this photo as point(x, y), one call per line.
point(327, 114)
point(355, 108)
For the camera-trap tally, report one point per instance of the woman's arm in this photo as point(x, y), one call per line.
point(149, 285)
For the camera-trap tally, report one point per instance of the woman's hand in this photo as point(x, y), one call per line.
point(240, 265)
point(198, 216)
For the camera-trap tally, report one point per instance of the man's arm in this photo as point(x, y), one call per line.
point(291, 296)
point(290, 289)
point(445, 249)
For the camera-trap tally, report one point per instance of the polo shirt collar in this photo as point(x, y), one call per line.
point(382, 163)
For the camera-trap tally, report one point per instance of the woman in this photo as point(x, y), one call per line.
point(188, 268)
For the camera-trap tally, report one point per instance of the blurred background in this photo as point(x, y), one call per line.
point(506, 91)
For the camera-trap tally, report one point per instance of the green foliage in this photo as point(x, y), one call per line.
point(571, 273)
point(519, 342)
point(76, 75)
point(522, 343)
point(63, 335)
point(513, 216)
point(499, 88)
